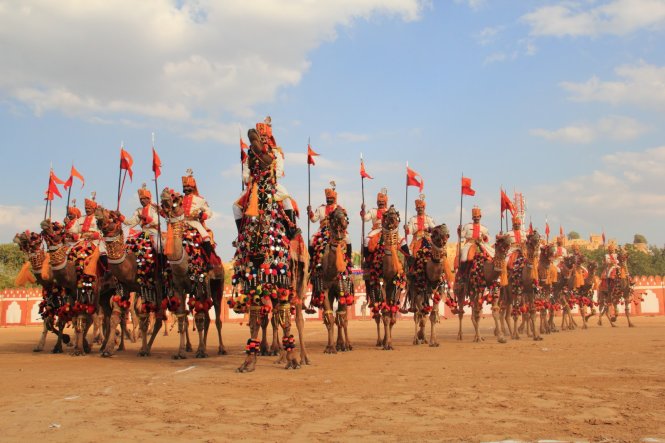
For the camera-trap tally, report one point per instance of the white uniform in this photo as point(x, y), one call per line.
point(413, 228)
point(517, 241)
point(468, 238)
point(611, 263)
point(196, 209)
point(559, 254)
point(320, 215)
point(147, 218)
point(85, 228)
point(375, 217)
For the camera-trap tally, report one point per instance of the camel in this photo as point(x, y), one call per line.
point(67, 266)
point(523, 290)
point(570, 279)
point(385, 279)
point(584, 294)
point(124, 266)
point(190, 281)
point(470, 285)
point(331, 281)
point(31, 244)
point(548, 276)
point(428, 279)
point(616, 289)
point(262, 259)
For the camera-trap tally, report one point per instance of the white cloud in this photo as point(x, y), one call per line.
point(168, 59)
point(613, 128)
point(487, 35)
point(15, 219)
point(642, 85)
point(473, 4)
point(495, 57)
point(615, 17)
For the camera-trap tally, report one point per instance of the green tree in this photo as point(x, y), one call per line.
point(639, 238)
point(11, 260)
point(572, 235)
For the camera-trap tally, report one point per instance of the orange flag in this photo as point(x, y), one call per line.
point(506, 204)
point(156, 163)
point(364, 173)
point(72, 174)
point(56, 179)
point(126, 162)
point(310, 155)
point(243, 148)
point(414, 179)
point(53, 188)
point(466, 187)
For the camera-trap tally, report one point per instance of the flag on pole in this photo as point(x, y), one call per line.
point(466, 187)
point(310, 155)
point(74, 174)
point(53, 187)
point(506, 203)
point(126, 162)
point(156, 163)
point(530, 228)
point(414, 179)
point(603, 237)
point(243, 148)
point(561, 230)
point(55, 179)
point(547, 229)
point(364, 173)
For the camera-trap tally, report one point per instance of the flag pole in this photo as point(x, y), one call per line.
point(406, 204)
point(69, 191)
point(459, 229)
point(122, 145)
point(159, 219)
point(501, 209)
point(48, 187)
point(309, 187)
point(362, 218)
point(50, 202)
point(242, 181)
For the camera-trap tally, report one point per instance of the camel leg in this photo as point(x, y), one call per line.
point(42, 338)
point(460, 313)
point(200, 321)
point(339, 344)
point(387, 339)
point(288, 341)
point(498, 329)
point(627, 312)
point(433, 320)
point(475, 317)
point(416, 326)
point(181, 318)
point(218, 325)
point(275, 347)
point(532, 320)
point(300, 325)
point(62, 337)
point(329, 321)
point(78, 337)
point(253, 344)
point(345, 325)
point(263, 322)
point(109, 349)
point(377, 320)
point(144, 324)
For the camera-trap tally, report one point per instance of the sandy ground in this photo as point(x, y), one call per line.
point(601, 384)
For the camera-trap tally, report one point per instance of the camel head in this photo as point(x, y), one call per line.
point(622, 256)
point(547, 252)
point(592, 268)
point(171, 203)
point(28, 242)
point(501, 245)
point(440, 235)
point(108, 221)
point(390, 220)
point(533, 242)
point(53, 233)
point(339, 221)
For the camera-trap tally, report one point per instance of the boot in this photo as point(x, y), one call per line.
point(291, 229)
point(238, 224)
point(207, 249)
point(104, 260)
point(405, 250)
point(349, 253)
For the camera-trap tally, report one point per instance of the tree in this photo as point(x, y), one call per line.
point(11, 260)
point(572, 235)
point(639, 238)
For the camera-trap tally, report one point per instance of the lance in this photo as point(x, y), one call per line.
point(459, 229)
point(159, 219)
point(69, 191)
point(121, 181)
point(48, 188)
point(309, 187)
point(406, 204)
point(242, 180)
point(362, 218)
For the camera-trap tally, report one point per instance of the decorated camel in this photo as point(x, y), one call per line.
point(479, 282)
point(74, 268)
point(331, 280)
point(548, 276)
point(615, 289)
point(262, 274)
point(37, 270)
point(523, 290)
point(386, 280)
point(584, 294)
point(191, 282)
point(570, 278)
point(429, 279)
point(133, 264)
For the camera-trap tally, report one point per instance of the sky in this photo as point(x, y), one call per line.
point(563, 101)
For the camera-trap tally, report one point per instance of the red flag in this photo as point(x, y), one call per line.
point(364, 173)
point(126, 162)
point(310, 155)
point(506, 203)
point(547, 229)
point(530, 228)
point(156, 163)
point(243, 148)
point(561, 230)
point(52, 188)
point(55, 179)
point(72, 174)
point(414, 179)
point(466, 187)
point(603, 237)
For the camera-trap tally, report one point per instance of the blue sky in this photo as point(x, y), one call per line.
point(562, 101)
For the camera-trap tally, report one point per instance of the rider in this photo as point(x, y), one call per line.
point(375, 215)
point(611, 261)
point(473, 235)
point(277, 170)
point(73, 213)
point(517, 242)
point(146, 216)
point(85, 228)
point(419, 225)
point(560, 252)
point(196, 213)
point(322, 212)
